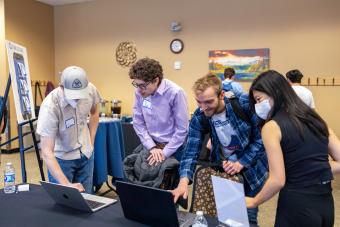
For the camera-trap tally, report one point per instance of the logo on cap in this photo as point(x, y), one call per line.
point(77, 84)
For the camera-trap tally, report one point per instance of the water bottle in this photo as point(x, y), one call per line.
point(9, 179)
point(200, 220)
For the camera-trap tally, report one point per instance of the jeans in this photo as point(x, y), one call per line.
point(77, 171)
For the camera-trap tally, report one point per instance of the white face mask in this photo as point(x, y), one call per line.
point(72, 102)
point(262, 109)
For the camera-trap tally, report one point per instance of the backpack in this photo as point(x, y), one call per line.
point(238, 110)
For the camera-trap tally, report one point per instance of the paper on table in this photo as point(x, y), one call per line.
point(230, 202)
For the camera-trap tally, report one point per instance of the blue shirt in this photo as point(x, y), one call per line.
point(230, 85)
point(251, 153)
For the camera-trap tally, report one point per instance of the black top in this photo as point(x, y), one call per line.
point(305, 158)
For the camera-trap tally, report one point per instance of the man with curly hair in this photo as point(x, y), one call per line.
point(160, 112)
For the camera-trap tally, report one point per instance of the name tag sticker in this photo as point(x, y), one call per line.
point(147, 103)
point(69, 122)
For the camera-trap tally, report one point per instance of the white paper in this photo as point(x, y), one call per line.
point(230, 202)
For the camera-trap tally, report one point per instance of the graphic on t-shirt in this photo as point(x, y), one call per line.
point(229, 140)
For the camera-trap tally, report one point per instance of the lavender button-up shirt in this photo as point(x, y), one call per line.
point(162, 117)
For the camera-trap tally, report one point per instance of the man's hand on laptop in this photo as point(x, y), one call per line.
point(156, 156)
point(78, 186)
point(181, 190)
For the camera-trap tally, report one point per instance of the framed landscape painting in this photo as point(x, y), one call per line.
point(247, 63)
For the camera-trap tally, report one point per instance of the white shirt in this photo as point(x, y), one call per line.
point(305, 95)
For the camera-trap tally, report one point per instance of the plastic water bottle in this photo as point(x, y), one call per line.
point(9, 179)
point(200, 220)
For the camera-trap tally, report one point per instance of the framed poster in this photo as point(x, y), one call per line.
point(21, 81)
point(247, 63)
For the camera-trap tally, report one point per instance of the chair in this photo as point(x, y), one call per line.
point(131, 140)
point(170, 180)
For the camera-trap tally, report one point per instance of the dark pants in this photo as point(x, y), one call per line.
point(310, 206)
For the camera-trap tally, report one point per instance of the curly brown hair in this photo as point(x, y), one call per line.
point(146, 69)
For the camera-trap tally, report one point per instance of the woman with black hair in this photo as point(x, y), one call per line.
point(297, 142)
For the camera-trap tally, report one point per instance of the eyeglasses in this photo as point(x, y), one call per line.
point(141, 86)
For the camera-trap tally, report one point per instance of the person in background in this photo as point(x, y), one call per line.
point(294, 78)
point(229, 84)
point(66, 136)
point(297, 142)
point(235, 142)
point(160, 111)
point(3, 119)
point(2, 123)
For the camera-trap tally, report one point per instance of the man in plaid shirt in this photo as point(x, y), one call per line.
point(235, 142)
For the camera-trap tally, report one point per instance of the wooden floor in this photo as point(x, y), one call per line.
point(266, 214)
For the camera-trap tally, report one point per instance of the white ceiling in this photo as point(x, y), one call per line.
point(62, 2)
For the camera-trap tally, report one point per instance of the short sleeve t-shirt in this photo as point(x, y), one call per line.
point(229, 140)
point(305, 95)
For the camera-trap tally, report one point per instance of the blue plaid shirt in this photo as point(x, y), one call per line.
point(251, 153)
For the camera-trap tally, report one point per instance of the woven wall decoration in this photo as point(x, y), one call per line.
point(126, 54)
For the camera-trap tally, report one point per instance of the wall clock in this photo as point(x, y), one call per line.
point(176, 46)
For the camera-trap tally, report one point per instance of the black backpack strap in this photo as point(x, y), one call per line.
point(238, 110)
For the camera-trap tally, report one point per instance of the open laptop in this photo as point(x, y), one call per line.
point(151, 206)
point(71, 197)
point(230, 202)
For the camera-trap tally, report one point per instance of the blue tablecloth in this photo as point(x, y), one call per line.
point(108, 151)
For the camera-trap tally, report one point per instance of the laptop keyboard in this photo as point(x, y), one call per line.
point(94, 204)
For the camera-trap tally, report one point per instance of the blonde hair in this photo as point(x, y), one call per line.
point(207, 81)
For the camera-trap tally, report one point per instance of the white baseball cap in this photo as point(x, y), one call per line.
point(75, 83)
